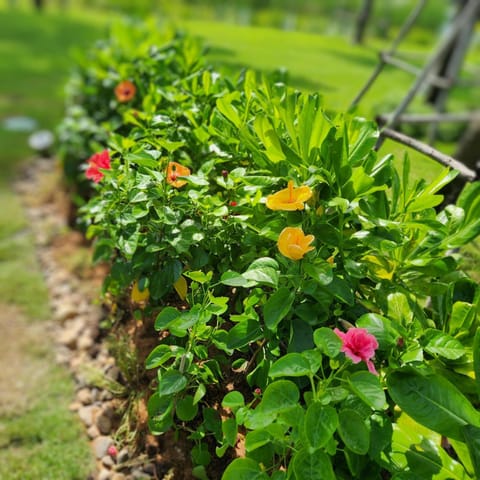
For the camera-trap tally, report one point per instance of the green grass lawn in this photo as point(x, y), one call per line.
point(36, 55)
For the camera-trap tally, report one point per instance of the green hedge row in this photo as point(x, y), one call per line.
point(307, 296)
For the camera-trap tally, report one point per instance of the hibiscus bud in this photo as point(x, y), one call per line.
point(257, 391)
point(224, 173)
point(112, 451)
point(400, 342)
point(233, 203)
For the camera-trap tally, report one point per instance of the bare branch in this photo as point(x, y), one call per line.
point(419, 118)
point(430, 152)
point(401, 34)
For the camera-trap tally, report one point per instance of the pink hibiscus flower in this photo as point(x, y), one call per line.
point(95, 163)
point(359, 346)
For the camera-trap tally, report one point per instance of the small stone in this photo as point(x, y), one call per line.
point(113, 373)
point(118, 476)
point(93, 432)
point(65, 311)
point(107, 460)
point(84, 395)
point(103, 423)
point(75, 406)
point(100, 446)
point(87, 413)
point(104, 474)
point(84, 342)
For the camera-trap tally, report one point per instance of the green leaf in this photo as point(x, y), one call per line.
point(367, 387)
point(418, 449)
point(199, 276)
point(381, 328)
point(399, 308)
point(262, 276)
point(476, 359)
point(314, 465)
point(235, 279)
point(230, 431)
point(244, 469)
point(472, 439)
point(290, 365)
point(186, 409)
point(277, 307)
point(353, 431)
point(199, 393)
point(327, 341)
point(463, 314)
point(233, 400)
point(322, 273)
point(143, 159)
point(432, 401)
point(243, 333)
point(160, 354)
point(279, 396)
point(165, 317)
point(320, 423)
point(159, 413)
point(438, 343)
point(170, 382)
point(256, 439)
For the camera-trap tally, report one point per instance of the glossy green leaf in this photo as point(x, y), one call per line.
point(233, 400)
point(476, 359)
point(438, 343)
point(290, 365)
point(160, 354)
point(418, 449)
point(432, 401)
point(243, 333)
point(308, 465)
point(472, 439)
point(256, 439)
point(165, 317)
point(170, 382)
point(381, 328)
point(244, 469)
point(186, 409)
point(367, 387)
point(320, 423)
point(322, 273)
point(353, 431)
point(327, 341)
point(277, 307)
point(230, 431)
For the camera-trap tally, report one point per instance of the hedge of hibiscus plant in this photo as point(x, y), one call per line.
point(112, 82)
point(296, 275)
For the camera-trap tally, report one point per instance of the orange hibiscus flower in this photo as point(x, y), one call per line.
point(125, 91)
point(175, 170)
point(290, 198)
point(293, 243)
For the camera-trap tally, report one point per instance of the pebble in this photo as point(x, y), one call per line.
point(107, 460)
point(100, 446)
point(103, 422)
point(84, 396)
point(104, 474)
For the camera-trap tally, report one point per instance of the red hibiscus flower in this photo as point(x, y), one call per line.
point(359, 346)
point(96, 162)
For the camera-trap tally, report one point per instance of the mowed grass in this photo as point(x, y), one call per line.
point(43, 440)
point(39, 437)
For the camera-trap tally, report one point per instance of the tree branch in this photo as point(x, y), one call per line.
point(430, 152)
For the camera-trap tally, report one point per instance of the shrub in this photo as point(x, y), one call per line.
point(307, 295)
